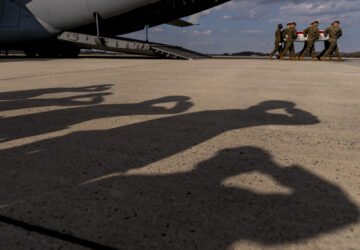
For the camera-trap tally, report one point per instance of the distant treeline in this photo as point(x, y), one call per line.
point(252, 53)
point(246, 53)
point(351, 54)
point(243, 53)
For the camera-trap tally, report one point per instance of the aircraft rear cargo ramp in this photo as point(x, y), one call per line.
point(129, 46)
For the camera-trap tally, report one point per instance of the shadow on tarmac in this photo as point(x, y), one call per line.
point(32, 93)
point(51, 121)
point(9, 59)
point(74, 188)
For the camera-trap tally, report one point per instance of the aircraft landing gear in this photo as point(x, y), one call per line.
point(30, 53)
point(53, 50)
point(70, 52)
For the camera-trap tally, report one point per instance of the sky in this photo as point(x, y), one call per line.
point(249, 25)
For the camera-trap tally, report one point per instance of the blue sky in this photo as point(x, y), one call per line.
point(241, 25)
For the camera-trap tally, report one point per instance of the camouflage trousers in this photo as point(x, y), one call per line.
point(293, 51)
point(310, 48)
point(289, 47)
point(333, 47)
point(326, 47)
point(278, 48)
point(304, 48)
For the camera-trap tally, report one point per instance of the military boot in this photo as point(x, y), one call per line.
point(330, 58)
point(271, 57)
point(301, 58)
point(340, 59)
point(315, 59)
point(323, 58)
point(282, 58)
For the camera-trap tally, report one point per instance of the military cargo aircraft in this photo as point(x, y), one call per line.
point(34, 25)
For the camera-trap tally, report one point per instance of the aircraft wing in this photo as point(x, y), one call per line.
point(194, 20)
point(180, 23)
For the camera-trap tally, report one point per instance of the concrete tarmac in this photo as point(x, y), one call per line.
point(111, 153)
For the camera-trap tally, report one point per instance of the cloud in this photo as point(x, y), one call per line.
point(206, 32)
point(157, 29)
point(200, 43)
point(226, 17)
point(251, 31)
point(197, 32)
point(303, 11)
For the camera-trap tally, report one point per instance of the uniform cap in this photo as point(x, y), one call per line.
point(312, 23)
point(316, 22)
point(337, 22)
point(289, 24)
point(293, 23)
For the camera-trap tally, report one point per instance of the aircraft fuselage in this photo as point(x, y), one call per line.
point(25, 24)
point(27, 20)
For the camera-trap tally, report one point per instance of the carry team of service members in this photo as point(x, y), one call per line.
point(311, 33)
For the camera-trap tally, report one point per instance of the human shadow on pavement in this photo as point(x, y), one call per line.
point(74, 184)
point(27, 98)
point(192, 210)
point(78, 100)
point(11, 59)
point(31, 93)
point(22, 126)
point(85, 155)
point(195, 210)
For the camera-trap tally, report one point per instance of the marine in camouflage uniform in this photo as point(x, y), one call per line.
point(305, 42)
point(312, 33)
point(334, 32)
point(284, 39)
point(284, 34)
point(278, 42)
point(326, 47)
point(290, 34)
point(293, 55)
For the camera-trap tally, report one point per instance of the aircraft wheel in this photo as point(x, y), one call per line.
point(49, 53)
point(30, 53)
point(70, 52)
